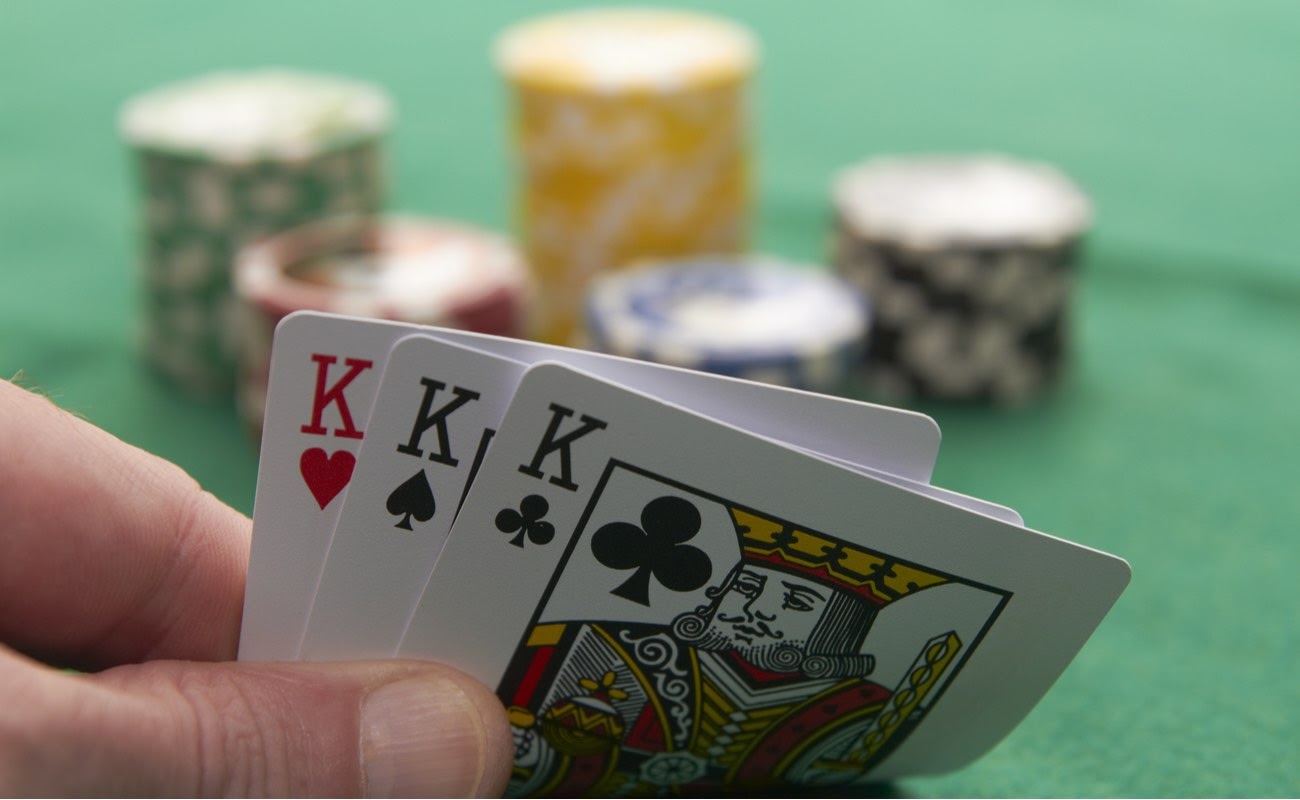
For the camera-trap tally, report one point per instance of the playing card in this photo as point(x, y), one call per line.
point(437, 409)
point(975, 504)
point(668, 603)
point(324, 373)
point(900, 449)
point(889, 440)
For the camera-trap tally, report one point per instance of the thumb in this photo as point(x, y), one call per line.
point(383, 728)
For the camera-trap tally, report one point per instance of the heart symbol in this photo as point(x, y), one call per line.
point(326, 474)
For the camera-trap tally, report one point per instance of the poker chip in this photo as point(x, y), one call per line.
point(411, 269)
point(226, 158)
point(757, 319)
point(631, 132)
point(969, 263)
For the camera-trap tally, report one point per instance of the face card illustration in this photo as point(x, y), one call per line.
point(437, 409)
point(324, 372)
point(690, 606)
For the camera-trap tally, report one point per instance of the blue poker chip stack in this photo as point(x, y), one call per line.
point(752, 318)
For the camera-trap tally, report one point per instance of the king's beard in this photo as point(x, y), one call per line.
point(773, 656)
point(701, 630)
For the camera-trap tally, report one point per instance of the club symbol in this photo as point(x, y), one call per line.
point(527, 520)
point(656, 548)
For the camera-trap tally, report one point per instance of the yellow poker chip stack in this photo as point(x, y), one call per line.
point(632, 133)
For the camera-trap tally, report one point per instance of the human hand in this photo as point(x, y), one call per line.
point(116, 562)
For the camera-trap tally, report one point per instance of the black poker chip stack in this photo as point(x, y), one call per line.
point(969, 265)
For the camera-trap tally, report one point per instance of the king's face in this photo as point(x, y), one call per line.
point(762, 607)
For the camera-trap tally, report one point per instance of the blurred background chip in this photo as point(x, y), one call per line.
point(226, 158)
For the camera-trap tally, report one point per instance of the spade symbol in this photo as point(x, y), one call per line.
point(414, 498)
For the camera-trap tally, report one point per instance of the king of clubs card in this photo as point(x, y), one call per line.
point(687, 643)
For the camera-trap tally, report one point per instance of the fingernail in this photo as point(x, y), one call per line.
point(421, 737)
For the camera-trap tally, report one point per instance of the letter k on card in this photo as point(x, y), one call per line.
point(327, 473)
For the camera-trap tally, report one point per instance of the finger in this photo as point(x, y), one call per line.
point(167, 728)
point(109, 554)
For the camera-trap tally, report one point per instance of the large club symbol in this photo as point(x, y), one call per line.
point(655, 549)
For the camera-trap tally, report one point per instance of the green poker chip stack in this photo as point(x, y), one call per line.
point(224, 160)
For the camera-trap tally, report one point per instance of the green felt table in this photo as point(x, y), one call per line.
point(1172, 442)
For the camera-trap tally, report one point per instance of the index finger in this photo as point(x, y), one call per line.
point(109, 554)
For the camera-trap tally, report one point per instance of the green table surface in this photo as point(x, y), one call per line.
point(1171, 444)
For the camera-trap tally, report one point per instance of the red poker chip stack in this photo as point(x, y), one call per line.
point(417, 270)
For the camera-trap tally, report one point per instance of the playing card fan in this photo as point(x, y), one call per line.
point(673, 582)
point(969, 263)
point(224, 159)
point(357, 408)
